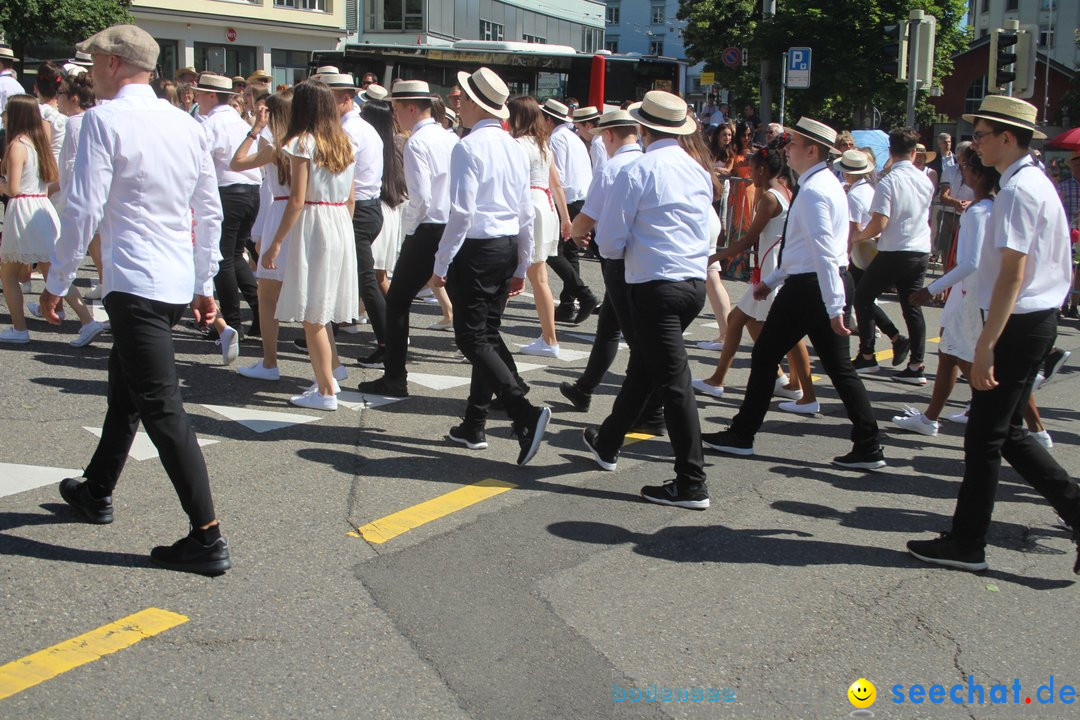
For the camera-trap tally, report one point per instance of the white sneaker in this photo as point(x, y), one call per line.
point(915, 421)
point(26, 287)
point(791, 393)
point(540, 348)
point(810, 408)
point(1040, 379)
point(353, 329)
point(314, 387)
point(11, 335)
point(315, 401)
point(711, 345)
point(94, 293)
point(960, 417)
point(706, 389)
point(230, 345)
point(87, 334)
point(442, 325)
point(341, 373)
point(1043, 438)
point(258, 371)
point(781, 381)
point(35, 310)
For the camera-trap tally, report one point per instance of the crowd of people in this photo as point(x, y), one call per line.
point(327, 201)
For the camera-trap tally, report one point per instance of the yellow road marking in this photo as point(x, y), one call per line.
point(886, 354)
point(46, 664)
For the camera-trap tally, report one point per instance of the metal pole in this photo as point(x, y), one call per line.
point(783, 86)
point(1046, 72)
point(913, 64)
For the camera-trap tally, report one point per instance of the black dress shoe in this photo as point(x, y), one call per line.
point(656, 429)
point(385, 386)
point(586, 305)
point(189, 555)
point(77, 495)
point(577, 397)
point(530, 435)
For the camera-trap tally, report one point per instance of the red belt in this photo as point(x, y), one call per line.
point(547, 191)
point(323, 202)
point(16, 197)
point(281, 197)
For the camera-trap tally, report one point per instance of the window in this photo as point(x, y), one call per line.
point(1011, 4)
point(352, 16)
point(612, 44)
point(656, 47)
point(167, 60)
point(611, 15)
point(533, 39)
point(590, 40)
point(228, 60)
point(657, 15)
point(491, 31)
point(986, 6)
point(302, 4)
point(289, 66)
point(399, 15)
point(1046, 36)
point(976, 92)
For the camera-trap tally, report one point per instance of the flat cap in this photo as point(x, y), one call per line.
point(127, 42)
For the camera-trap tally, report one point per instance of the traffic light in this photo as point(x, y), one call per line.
point(1026, 40)
point(924, 53)
point(1002, 58)
point(895, 51)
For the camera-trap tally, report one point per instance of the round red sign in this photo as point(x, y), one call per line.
point(230, 34)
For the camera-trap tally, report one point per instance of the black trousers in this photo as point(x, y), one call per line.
point(143, 386)
point(413, 269)
point(478, 283)
point(240, 205)
point(995, 430)
point(367, 224)
point(905, 270)
point(659, 312)
point(798, 310)
point(880, 318)
point(567, 264)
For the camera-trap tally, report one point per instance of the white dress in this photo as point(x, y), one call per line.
point(277, 196)
point(546, 222)
point(320, 282)
point(385, 247)
point(961, 319)
point(768, 253)
point(31, 225)
point(265, 198)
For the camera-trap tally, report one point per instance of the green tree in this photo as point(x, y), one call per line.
point(847, 81)
point(26, 22)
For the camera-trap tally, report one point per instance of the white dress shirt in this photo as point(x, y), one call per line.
point(597, 153)
point(426, 158)
point(657, 216)
point(369, 155)
point(816, 236)
point(600, 188)
point(225, 131)
point(951, 176)
point(571, 161)
point(141, 166)
point(1028, 217)
point(860, 197)
point(489, 194)
point(58, 128)
point(66, 163)
point(968, 249)
point(904, 196)
point(9, 86)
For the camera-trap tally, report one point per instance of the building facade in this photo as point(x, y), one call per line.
point(575, 23)
point(649, 27)
point(1057, 20)
point(236, 37)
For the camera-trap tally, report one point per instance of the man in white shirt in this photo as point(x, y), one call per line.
point(1023, 276)
point(949, 176)
point(367, 216)
point(482, 258)
point(816, 286)
point(9, 84)
point(575, 173)
point(426, 160)
point(142, 167)
point(656, 220)
point(225, 131)
point(900, 215)
point(585, 120)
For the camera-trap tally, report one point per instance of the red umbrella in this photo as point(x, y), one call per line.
point(1068, 140)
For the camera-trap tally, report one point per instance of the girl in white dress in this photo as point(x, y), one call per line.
point(31, 225)
point(320, 280)
point(387, 245)
point(767, 170)
point(46, 88)
point(527, 126)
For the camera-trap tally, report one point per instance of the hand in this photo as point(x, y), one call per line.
point(564, 229)
point(204, 309)
point(982, 369)
point(437, 281)
point(761, 291)
point(964, 205)
point(269, 256)
point(516, 286)
point(582, 241)
point(50, 305)
point(838, 326)
point(262, 117)
point(920, 297)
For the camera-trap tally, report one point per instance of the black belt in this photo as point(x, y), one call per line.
point(492, 239)
point(373, 202)
point(807, 276)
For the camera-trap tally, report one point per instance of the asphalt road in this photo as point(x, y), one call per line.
point(553, 599)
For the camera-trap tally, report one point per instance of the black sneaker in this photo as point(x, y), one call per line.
point(385, 386)
point(374, 361)
point(864, 366)
point(189, 555)
point(728, 442)
point(498, 404)
point(656, 429)
point(605, 462)
point(947, 551)
point(911, 376)
point(471, 437)
point(586, 305)
point(900, 348)
point(530, 435)
point(76, 494)
point(565, 312)
point(861, 460)
point(1053, 362)
point(693, 496)
point(577, 397)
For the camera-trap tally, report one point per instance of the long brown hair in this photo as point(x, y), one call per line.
point(279, 108)
point(695, 147)
point(24, 118)
point(526, 120)
point(315, 113)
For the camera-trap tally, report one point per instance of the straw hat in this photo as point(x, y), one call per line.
point(854, 162)
point(586, 114)
point(409, 90)
point(615, 118)
point(663, 112)
point(215, 84)
point(557, 110)
point(338, 81)
point(374, 92)
point(327, 70)
point(186, 71)
point(1008, 110)
point(487, 90)
point(920, 149)
point(817, 131)
point(7, 54)
point(259, 76)
point(81, 58)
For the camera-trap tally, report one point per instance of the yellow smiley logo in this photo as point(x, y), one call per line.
point(862, 693)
